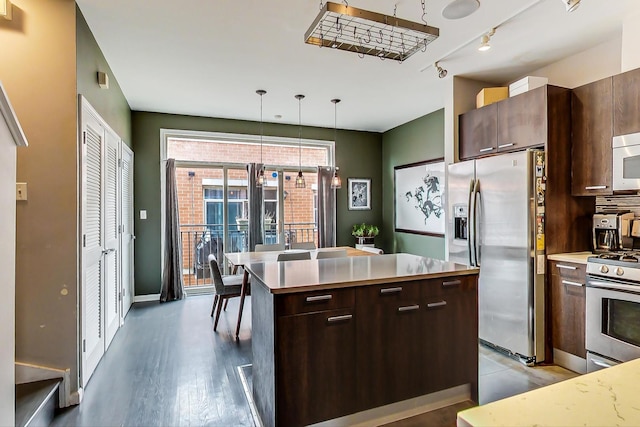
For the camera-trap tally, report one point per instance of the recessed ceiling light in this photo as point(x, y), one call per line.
point(458, 9)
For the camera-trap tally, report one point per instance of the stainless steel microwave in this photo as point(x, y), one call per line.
point(626, 162)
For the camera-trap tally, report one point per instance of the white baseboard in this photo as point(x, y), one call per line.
point(146, 298)
point(28, 373)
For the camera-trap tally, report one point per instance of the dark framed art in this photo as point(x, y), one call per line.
point(359, 193)
point(419, 201)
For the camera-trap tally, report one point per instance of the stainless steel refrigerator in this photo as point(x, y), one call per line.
point(496, 222)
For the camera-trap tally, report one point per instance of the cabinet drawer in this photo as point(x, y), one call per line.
point(448, 285)
point(569, 271)
point(388, 293)
point(308, 302)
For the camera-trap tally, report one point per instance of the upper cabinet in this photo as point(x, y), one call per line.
point(591, 118)
point(626, 103)
point(478, 132)
point(522, 120)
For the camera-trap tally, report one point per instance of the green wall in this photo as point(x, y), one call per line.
point(415, 141)
point(358, 154)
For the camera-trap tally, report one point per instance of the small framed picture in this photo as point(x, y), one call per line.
point(359, 194)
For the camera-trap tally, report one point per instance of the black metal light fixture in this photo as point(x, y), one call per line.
point(300, 179)
point(261, 179)
point(336, 182)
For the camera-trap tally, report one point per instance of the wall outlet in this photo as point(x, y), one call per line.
point(143, 214)
point(21, 191)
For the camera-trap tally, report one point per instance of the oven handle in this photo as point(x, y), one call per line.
point(610, 284)
point(600, 363)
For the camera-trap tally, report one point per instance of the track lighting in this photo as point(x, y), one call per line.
point(442, 73)
point(571, 5)
point(484, 41)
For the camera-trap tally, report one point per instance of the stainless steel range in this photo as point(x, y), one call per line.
point(612, 309)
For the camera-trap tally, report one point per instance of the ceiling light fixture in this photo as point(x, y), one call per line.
point(571, 5)
point(336, 182)
point(5, 9)
point(458, 9)
point(484, 41)
point(261, 179)
point(442, 73)
point(300, 179)
point(343, 27)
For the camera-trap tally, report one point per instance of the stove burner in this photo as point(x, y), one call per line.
point(609, 255)
point(629, 258)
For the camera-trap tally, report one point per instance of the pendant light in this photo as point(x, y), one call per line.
point(336, 182)
point(300, 179)
point(261, 179)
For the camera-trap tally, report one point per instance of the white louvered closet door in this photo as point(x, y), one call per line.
point(92, 266)
point(127, 236)
point(112, 236)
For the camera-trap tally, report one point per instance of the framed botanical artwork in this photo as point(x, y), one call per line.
point(359, 193)
point(418, 189)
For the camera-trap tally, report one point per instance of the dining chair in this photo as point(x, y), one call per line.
point(303, 245)
point(337, 253)
point(226, 287)
point(376, 251)
point(266, 248)
point(294, 256)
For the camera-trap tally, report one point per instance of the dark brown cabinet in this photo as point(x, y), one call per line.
point(522, 120)
point(626, 102)
point(591, 159)
point(478, 132)
point(568, 313)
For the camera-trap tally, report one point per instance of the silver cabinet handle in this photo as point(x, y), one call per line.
point(452, 283)
point(568, 282)
point(595, 187)
point(408, 308)
point(340, 318)
point(436, 304)
point(506, 145)
point(484, 150)
point(601, 364)
point(566, 267)
point(391, 290)
point(319, 298)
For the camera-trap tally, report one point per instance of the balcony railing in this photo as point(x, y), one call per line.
point(200, 240)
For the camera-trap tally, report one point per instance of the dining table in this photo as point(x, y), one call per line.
point(240, 259)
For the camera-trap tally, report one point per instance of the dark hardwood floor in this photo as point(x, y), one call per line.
point(166, 367)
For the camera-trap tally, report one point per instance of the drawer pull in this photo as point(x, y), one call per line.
point(451, 283)
point(319, 298)
point(595, 187)
point(568, 282)
point(506, 145)
point(408, 308)
point(391, 290)
point(566, 267)
point(484, 150)
point(340, 318)
point(436, 304)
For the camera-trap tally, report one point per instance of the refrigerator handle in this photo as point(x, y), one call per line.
point(476, 223)
point(470, 215)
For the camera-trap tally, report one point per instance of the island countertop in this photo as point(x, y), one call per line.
point(310, 275)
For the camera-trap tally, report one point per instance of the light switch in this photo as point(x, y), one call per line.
point(21, 191)
point(143, 214)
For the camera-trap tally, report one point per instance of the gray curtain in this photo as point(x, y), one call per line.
point(326, 208)
point(256, 214)
point(172, 285)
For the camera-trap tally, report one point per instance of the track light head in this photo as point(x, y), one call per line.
point(484, 41)
point(442, 73)
point(571, 5)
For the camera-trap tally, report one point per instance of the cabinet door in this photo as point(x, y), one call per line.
point(477, 132)
point(591, 155)
point(568, 307)
point(626, 101)
point(522, 120)
point(315, 360)
point(390, 362)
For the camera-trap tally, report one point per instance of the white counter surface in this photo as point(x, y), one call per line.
point(577, 257)
point(609, 397)
point(330, 273)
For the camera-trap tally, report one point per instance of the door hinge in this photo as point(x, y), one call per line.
point(84, 240)
point(84, 346)
point(120, 296)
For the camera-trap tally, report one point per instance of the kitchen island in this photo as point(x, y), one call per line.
point(360, 338)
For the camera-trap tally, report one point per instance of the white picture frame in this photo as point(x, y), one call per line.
point(359, 193)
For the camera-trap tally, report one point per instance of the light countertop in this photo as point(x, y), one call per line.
point(314, 274)
point(577, 257)
point(609, 397)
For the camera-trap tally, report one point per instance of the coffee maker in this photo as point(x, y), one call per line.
point(612, 231)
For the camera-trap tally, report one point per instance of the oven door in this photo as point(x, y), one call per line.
point(626, 162)
point(613, 319)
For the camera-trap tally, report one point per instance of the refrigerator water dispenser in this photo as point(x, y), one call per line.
point(460, 222)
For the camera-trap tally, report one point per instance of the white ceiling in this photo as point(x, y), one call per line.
point(207, 58)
